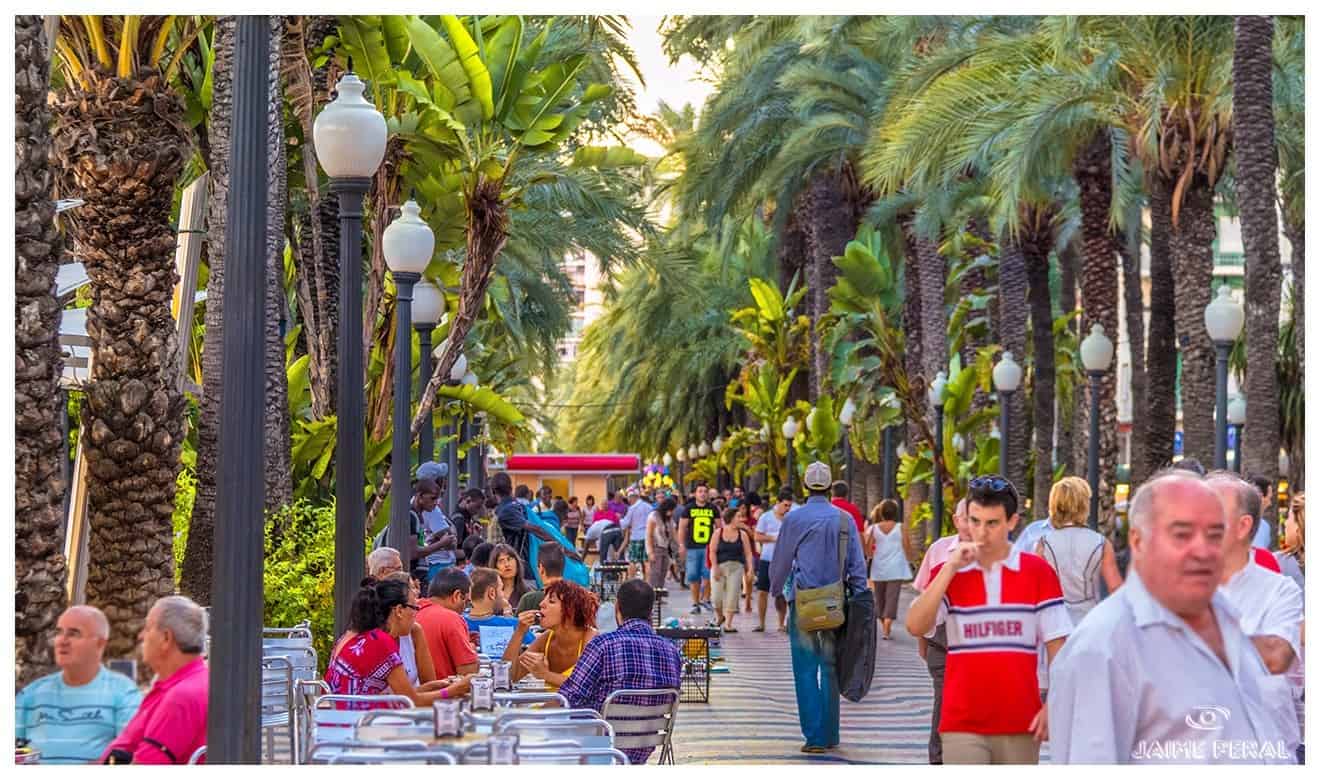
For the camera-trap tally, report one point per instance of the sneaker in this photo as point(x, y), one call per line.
point(814, 749)
point(708, 605)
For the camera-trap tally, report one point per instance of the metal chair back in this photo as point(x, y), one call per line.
point(554, 752)
point(543, 729)
point(198, 755)
point(529, 698)
point(330, 723)
point(643, 718)
point(277, 706)
point(324, 752)
point(397, 757)
point(551, 714)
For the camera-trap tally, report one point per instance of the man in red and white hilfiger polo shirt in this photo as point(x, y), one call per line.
point(999, 604)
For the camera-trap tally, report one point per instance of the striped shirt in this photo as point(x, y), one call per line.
point(72, 724)
point(996, 619)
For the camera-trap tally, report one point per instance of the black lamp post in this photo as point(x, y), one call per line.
point(349, 137)
point(451, 430)
point(1007, 376)
point(428, 304)
point(887, 463)
point(408, 243)
point(233, 734)
point(1097, 353)
point(477, 453)
point(1237, 417)
point(936, 397)
point(1223, 319)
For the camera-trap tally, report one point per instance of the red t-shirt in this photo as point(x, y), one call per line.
point(851, 509)
point(1266, 558)
point(170, 724)
point(990, 684)
point(447, 638)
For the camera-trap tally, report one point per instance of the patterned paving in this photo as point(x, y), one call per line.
point(752, 714)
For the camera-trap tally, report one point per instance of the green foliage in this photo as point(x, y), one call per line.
point(300, 571)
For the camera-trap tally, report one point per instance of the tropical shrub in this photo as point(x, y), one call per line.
point(300, 571)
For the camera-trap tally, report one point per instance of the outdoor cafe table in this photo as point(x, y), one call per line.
point(383, 730)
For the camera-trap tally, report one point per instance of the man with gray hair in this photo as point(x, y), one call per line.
point(171, 723)
point(1269, 604)
point(383, 561)
point(70, 716)
point(1162, 671)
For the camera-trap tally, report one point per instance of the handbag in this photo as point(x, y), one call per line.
point(822, 609)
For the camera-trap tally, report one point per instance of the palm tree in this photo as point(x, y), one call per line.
point(199, 553)
point(120, 144)
point(1254, 151)
point(40, 457)
point(279, 485)
point(1161, 411)
point(1290, 119)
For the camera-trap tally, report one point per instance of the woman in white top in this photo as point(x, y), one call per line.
point(1080, 556)
point(414, 651)
point(889, 549)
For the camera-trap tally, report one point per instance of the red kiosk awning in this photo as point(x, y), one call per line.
point(570, 463)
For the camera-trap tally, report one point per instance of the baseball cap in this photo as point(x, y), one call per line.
point(817, 476)
point(634, 492)
point(432, 470)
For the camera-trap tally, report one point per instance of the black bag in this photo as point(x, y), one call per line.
point(854, 651)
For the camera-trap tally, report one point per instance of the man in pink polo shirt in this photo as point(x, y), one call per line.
point(170, 724)
point(933, 650)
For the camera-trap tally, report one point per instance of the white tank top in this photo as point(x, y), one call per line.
point(1075, 553)
point(409, 655)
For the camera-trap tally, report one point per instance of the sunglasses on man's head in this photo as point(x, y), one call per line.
point(997, 484)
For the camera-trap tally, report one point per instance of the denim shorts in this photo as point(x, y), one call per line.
point(697, 569)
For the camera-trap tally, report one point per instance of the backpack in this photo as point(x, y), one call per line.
point(415, 523)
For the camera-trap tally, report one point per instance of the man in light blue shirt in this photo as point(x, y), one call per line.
point(808, 549)
point(72, 715)
point(1035, 530)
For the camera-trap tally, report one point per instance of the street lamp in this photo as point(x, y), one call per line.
point(1007, 376)
point(459, 369)
point(1237, 417)
point(846, 415)
point(703, 450)
point(427, 307)
point(790, 431)
point(1097, 352)
point(936, 397)
point(682, 459)
point(1223, 319)
point(407, 244)
point(349, 138)
point(668, 460)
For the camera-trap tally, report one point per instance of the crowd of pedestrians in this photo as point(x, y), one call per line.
point(1184, 645)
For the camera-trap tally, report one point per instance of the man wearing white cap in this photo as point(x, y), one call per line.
point(808, 549)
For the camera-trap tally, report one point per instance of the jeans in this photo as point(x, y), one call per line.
point(815, 681)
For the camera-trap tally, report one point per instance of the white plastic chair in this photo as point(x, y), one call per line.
point(643, 725)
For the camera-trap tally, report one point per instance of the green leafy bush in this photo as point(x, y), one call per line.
point(300, 571)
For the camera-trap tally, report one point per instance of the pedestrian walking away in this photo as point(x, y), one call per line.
point(806, 557)
point(732, 550)
point(887, 546)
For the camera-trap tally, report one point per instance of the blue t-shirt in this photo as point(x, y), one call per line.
point(74, 724)
point(495, 632)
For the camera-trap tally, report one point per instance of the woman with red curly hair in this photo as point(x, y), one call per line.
point(568, 615)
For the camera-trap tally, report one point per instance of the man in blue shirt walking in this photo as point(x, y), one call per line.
point(808, 549)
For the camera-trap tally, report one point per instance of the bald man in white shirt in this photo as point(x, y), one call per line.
point(1162, 671)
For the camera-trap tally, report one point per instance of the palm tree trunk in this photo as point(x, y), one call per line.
point(40, 453)
point(1013, 286)
point(199, 553)
point(1253, 147)
point(121, 144)
point(913, 358)
point(1160, 414)
point(279, 487)
point(831, 226)
point(1037, 256)
point(1192, 244)
point(1091, 169)
point(1069, 260)
point(1134, 318)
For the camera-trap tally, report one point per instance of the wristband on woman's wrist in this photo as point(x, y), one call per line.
point(444, 693)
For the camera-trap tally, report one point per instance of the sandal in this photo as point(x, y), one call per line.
point(758, 629)
point(730, 630)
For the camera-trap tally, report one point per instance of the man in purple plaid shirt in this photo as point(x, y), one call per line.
point(632, 657)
